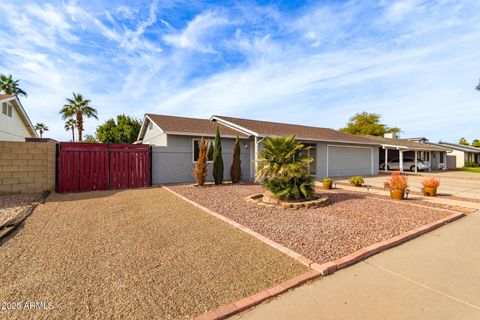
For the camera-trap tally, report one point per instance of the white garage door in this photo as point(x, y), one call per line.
point(349, 161)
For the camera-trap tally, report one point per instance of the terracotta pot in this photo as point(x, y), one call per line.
point(397, 194)
point(327, 185)
point(430, 192)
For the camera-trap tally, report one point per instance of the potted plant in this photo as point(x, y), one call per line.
point(397, 184)
point(430, 186)
point(357, 181)
point(327, 183)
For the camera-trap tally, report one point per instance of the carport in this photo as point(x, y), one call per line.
point(392, 148)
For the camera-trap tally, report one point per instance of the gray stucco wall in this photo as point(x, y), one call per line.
point(174, 163)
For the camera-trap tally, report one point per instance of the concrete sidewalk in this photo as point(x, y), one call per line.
point(436, 276)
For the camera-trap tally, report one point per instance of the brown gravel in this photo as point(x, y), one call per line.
point(12, 205)
point(136, 254)
point(352, 220)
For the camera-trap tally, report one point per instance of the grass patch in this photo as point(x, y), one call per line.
point(477, 170)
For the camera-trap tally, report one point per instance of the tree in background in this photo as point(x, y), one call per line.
point(217, 159)
point(41, 128)
point(78, 107)
point(463, 141)
point(200, 172)
point(125, 130)
point(236, 169)
point(90, 138)
point(368, 123)
point(71, 124)
point(10, 86)
point(476, 143)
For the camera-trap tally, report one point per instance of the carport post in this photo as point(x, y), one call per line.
point(416, 161)
point(400, 153)
point(386, 160)
point(430, 158)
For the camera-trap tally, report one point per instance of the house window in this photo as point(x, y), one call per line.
point(150, 125)
point(196, 150)
point(4, 108)
point(9, 110)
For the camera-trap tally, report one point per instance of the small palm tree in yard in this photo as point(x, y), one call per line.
point(79, 108)
point(41, 128)
point(283, 171)
point(200, 170)
point(71, 124)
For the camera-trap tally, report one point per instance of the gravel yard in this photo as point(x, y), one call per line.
point(136, 254)
point(12, 204)
point(352, 220)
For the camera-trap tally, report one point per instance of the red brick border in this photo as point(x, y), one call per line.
point(324, 269)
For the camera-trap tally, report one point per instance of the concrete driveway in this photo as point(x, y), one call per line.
point(433, 277)
point(456, 183)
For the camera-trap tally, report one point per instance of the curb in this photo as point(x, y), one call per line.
point(318, 270)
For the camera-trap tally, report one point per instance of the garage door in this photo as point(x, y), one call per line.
point(349, 161)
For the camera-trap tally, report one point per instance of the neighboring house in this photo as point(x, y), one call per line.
point(463, 153)
point(413, 148)
point(175, 141)
point(14, 122)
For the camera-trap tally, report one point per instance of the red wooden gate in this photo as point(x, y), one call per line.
point(95, 166)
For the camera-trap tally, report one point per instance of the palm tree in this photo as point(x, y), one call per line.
point(10, 86)
point(41, 128)
point(78, 107)
point(283, 169)
point(71, 124)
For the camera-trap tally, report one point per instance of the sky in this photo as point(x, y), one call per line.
point(308, 62)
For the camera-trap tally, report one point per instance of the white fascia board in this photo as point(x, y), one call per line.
point(199, 134)
point(234, 126)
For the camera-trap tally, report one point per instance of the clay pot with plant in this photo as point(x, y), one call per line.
point(397, 184)
point(430, 186)
point(327, 183)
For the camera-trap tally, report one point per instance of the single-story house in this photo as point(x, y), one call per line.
point(175, 146)
point(14, 122)
point(414, 148)
point(463, 153)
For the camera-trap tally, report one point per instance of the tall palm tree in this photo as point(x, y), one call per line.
point(10, 86)
point(41, 128)
point(78, 107)
point(71, 124)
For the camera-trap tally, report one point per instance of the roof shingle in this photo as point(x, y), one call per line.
point(266, 128)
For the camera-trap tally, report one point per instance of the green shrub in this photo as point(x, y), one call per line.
point(236, 169)
point(283, 171)
point(217, 159)
point(327, 180)
point(471, 164)
point(357, 181)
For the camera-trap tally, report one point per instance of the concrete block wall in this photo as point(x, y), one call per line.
point(27, 167)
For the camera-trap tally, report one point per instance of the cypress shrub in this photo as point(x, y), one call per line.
point(217, 159)
point(236, 170)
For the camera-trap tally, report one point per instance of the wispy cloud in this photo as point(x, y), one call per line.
point(415, 62)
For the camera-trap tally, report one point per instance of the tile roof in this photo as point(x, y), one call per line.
point(191, 125)
point(266, 128)
point(407, 144)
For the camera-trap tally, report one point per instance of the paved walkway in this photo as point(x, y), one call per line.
point(436, 276)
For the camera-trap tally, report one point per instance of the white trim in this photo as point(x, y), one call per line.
point(143, 129)
point(372, 170)
point(233, 125)
point(193, 150)
point(200, 134)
